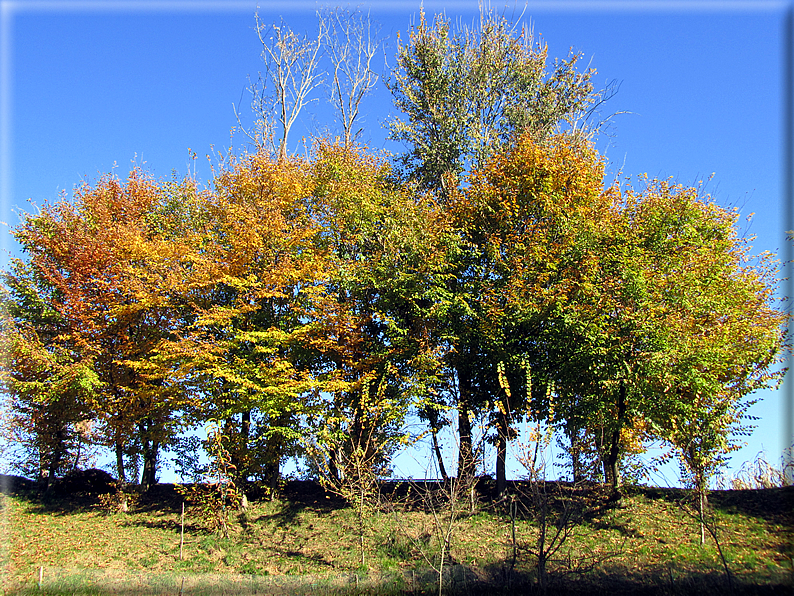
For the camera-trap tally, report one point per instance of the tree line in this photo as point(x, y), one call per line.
point(308, 306)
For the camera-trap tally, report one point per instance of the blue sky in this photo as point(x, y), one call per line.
point(94, 86)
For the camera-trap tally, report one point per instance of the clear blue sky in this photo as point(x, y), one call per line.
point(90, 86)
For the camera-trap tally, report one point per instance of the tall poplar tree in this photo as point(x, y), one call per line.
point(467, 92)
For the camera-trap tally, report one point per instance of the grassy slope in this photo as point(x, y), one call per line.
point(648, 542)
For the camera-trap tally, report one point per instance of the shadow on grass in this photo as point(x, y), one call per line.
point(775, 505)
point(772, 505)
point(458, 580)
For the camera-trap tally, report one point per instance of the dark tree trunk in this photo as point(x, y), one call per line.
point(466, 464)
point(120, 462)
point(600, 444)
point(271, 467)
point(441, 469)
point(53, 458)
point(501, 464)
point(503, 431)
point(432, 418)
point(572, 432)
point(228, 426)
point(333, 469)
point(611, 465)
point(76, 463)
point(576, 465)
point(271, 471)
point(150, 449)
point(150, 455)
point(58, 453)
point(245, 429)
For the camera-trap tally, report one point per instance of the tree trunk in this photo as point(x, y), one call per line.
point(76, 464)
point(703, 501)
point(466, 464)
point(576, 448)
point(600, 444)
point(441, 469)
point(432, 418)
point(274, 448)
point(607, 470)
point(575, 463)
point(271, 468)
point(228, 426)
point(122, 476)
point(149, 473)
point(271, 471)
point(245, 429)
point(51, 453)
point(333, 469)
point(244, 469)
point(501, 456)
point(611, 465)
point(57, 454)
point(150, 450)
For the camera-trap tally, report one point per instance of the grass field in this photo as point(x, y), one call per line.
point(307, 541)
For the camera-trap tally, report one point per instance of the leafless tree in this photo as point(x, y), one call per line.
point(444, 502)
point(351, 42)
point(558, 511)
point(292, 65)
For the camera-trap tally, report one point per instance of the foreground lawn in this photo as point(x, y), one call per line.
point(307, 541)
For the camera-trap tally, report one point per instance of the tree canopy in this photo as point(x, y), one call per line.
point(314, 306)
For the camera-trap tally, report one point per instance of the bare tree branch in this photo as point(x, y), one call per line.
point(351, 42)
point(292, 65)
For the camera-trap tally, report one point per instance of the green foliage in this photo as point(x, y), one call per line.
point(466, 93)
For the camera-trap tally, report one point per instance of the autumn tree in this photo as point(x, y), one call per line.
point(49, 386)
point(529, 221)
point(254, 270)
point(372, 336)
point(623, 302)
point(675, 328)
point(79, 264)
point(467, 95)
point(723, 327)
point(368, 337)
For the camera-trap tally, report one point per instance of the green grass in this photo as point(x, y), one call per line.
point(307, 542)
